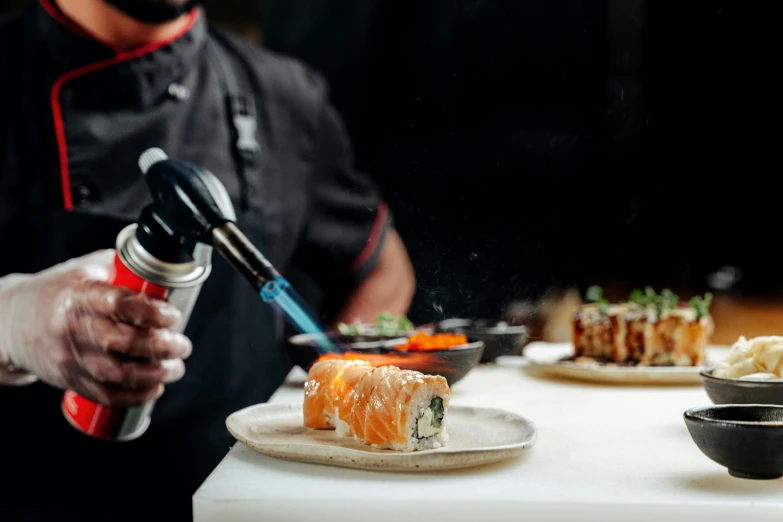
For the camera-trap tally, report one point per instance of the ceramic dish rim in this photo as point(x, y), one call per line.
point(604, 368)
point(528, 443)
point(692, 414)
point(517, 329)
point(303, 338)
point(706, 374)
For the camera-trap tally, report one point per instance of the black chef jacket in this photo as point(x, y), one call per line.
point(76, 115)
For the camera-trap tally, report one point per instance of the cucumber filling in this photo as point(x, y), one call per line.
point(436, 406)
point(430, 422)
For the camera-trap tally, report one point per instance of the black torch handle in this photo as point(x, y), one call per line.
point(243, 255)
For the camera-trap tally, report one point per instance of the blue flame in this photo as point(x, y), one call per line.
point(281, 295)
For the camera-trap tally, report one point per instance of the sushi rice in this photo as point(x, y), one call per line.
point(426, 426)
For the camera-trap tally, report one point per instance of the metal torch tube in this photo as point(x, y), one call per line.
point(271, 286)
point(242, 255)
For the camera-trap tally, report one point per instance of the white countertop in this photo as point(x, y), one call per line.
point(603, 453)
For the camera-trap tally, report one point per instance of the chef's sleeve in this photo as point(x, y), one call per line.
point(347, 218)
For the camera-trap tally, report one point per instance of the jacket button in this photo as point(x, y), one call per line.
point(83, 195)
point(179, 91)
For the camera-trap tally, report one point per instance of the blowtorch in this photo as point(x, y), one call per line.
point(184, 193)
point(167, 255)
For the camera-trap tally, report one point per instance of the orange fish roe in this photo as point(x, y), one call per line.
point(422, 342)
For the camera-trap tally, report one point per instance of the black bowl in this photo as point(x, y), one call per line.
point(302, 347)
point(745, 438)
point(499, 338)
point(735, 391)
point(453, 363)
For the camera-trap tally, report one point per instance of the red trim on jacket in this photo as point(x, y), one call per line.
point(375, 236)
point(119, 57)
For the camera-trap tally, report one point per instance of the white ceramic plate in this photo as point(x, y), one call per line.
point(547, 358)
point(476, 436)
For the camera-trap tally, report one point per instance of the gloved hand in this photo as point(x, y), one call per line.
point(70, 328)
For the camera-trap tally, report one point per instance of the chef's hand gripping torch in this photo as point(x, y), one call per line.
point(167, 255)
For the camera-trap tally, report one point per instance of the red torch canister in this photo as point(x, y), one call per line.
point(176, 277)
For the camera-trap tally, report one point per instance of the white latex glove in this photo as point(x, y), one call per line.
point(70, 328)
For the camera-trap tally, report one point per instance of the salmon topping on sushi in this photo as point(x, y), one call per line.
point(384, 407)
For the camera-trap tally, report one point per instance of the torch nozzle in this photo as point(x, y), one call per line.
point(243, 255)
point(273, 288)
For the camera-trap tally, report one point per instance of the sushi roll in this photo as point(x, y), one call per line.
point(321, 388)
point(363, 395)
point(345, 392)
point(384, 407)
point(647, 330)
point(404, 411)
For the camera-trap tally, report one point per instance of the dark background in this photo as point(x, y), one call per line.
point(529, 144)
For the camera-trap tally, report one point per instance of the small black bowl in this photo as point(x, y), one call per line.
point(452, 363)
point(736, 391)
point(745, 438)
point(499, 338)
point(302, 347)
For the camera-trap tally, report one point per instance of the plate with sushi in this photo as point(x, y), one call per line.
point(650, 338)
point(358, 414)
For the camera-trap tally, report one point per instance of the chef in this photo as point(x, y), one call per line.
point(88, 85)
